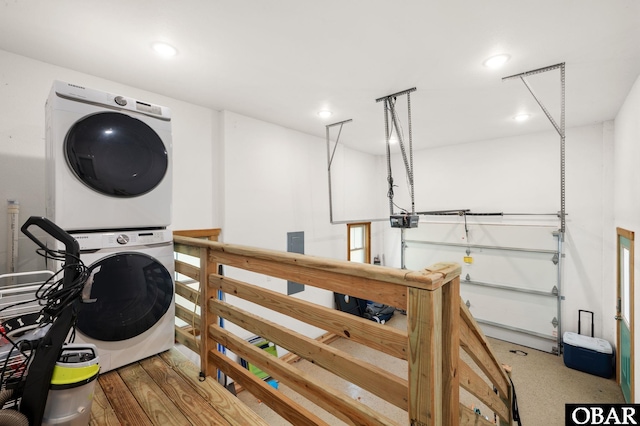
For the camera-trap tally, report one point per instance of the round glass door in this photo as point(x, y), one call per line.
point(128, 294)
point(116, 154)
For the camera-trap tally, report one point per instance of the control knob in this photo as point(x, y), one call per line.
point(120, 100)
point(122, 239)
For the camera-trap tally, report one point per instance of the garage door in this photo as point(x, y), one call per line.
point(510, 274)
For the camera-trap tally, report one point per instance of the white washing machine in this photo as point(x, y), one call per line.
point(129, 308)
point(108, 161)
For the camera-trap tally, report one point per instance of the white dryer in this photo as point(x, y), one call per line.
point(129, 308)
point(108, 160)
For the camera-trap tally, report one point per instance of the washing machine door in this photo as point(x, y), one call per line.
point(116, 154)
point(128, 293)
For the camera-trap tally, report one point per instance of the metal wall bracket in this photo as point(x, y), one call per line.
point(468, 303)
point(554, 322)
point(390, 113)
point(555, 259)
point(560, 128)
point(330, 153)
point(555, 291)
point(468, 277)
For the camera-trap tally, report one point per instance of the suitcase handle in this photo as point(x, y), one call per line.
point(580, 311)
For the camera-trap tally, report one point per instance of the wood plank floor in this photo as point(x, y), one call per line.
point(165, 390)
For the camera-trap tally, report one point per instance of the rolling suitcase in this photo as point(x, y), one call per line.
point(588, 354)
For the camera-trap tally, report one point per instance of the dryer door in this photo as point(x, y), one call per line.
point(116, 154)
point(129, 293)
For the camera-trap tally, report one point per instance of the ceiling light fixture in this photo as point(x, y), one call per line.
point(522, 117)
point(163, 49)
point(325, 113)
point(496, 61)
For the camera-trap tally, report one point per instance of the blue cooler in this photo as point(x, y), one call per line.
point(588, 354)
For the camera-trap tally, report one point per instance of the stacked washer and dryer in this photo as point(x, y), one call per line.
point(109, 185)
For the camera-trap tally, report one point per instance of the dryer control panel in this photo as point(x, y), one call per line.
point(91, 96)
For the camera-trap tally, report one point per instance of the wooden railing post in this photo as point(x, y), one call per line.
point(433, 317)
point(424, 326)
point(451, 352)
point(207, 318)
point(206, 268)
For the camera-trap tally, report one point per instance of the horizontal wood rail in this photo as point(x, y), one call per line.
point(438, 327)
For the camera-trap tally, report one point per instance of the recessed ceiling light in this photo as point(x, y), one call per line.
point(522, 117)
point(496, 61)
point(325, 113)
point(164, 49)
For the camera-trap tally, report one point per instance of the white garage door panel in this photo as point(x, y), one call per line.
point(515, 236)
point(519, 338)
point(517, 310)
point(420, 256)
point(533, 271)
point(509, 274)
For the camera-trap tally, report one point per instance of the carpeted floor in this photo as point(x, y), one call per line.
point(542, 382)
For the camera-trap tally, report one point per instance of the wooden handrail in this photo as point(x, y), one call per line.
point(438, 324)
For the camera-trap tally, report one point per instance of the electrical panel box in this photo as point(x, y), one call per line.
point(404, 221)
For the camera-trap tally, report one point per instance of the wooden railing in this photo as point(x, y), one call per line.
point(438, 326)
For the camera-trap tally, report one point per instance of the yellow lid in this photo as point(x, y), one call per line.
point(69, 375)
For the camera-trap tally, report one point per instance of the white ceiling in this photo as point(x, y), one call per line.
point(283, 60)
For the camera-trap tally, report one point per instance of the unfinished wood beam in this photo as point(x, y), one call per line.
point(362, 287)
point(478, 387)
point(385, 339)
point(190, 271)
point(283, 405)
point(337, 403)
point(476, 345)
point(191, 294)
point(450, 351)
point(187, 339)
point(369, 377)
point(188, 316)
point(424, 327)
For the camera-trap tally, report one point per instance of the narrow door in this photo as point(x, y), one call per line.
point(624, 316)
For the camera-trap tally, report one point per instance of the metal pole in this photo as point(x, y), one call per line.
point(482, 247)
point(393, 95)
point(561, 131)
point(402, 252)
point(562, 153)
point(413, 204)
point(329, 175)
point(330, 155)
point(387, 137)
point(560, 236)
point(407, 166)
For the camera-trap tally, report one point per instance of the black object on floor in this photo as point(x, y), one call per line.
point(351, 305)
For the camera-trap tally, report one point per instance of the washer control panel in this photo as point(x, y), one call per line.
point(100, 240)
point(123, 239)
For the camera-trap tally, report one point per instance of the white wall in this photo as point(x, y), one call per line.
point(522, 175)
point(24, 87)
point(625, 200)
point(276, 182)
